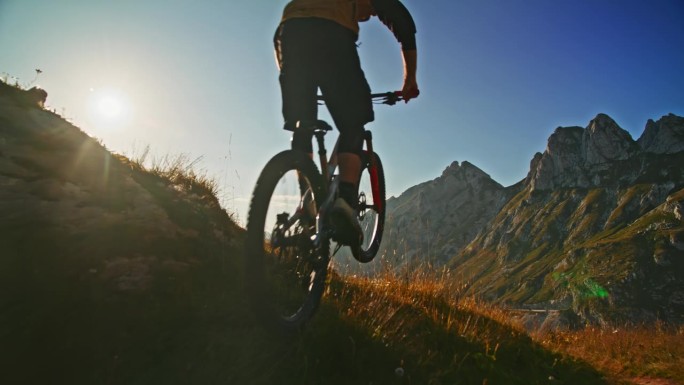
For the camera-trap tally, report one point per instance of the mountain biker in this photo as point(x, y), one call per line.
point(315, 47)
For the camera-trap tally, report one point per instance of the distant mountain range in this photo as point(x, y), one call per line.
point(594, 230)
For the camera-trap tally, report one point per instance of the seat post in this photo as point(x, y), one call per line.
point(322, 153)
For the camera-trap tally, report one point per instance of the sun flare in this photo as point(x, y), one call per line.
point(109, 108)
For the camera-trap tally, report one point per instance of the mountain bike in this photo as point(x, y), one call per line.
point(289, 232)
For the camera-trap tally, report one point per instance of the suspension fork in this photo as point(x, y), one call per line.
point(373, 171)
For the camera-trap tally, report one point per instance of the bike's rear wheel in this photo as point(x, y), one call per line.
point(286, 271)
point(371, 206)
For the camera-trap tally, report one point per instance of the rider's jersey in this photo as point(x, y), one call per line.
point(349, 13)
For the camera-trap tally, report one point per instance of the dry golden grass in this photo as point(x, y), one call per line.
point(439, 331)
point(436, 293)
point(181, 170)
point(394, 305)
point(633, 352)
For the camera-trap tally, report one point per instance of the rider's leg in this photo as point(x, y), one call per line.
point(297, 62)
point(350, 146)
point(298, 85)
point(344, 212)
point(350, 170)
point(347, 97)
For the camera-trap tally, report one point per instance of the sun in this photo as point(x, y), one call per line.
point(108, 108)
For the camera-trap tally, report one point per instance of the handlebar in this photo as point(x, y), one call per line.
point(390, 98)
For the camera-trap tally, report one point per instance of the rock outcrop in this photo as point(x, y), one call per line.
point(604, 142)
point(666, 136)
point(580, 158)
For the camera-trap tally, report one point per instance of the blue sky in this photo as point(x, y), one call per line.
point(496, 76)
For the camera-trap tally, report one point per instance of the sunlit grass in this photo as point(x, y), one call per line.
point(394, 308)
point(435, 294)
point(655, 350)
point(181, 170)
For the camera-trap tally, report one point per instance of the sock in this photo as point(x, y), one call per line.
point(349, 193)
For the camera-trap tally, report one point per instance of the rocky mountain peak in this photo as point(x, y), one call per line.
point(559, 162)
point(666, 136)
point(466, 172)
point(578, 157)
point(565, 146)
point(451, 169)
point(436, 219)
point(604, 141)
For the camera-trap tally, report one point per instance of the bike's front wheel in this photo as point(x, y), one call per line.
point(285, 268)
point(371, 206)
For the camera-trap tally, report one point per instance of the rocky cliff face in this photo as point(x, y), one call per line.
point(666, 136)
point(433, 221)
point(580, 158)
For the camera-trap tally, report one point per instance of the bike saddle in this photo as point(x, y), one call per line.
point(312, 125)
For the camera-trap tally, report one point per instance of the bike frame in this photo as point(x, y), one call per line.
point(329, 165)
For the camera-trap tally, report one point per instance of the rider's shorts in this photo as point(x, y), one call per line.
point(317, 53)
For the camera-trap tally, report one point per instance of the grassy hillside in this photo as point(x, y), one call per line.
point(601, 252)
point(111, 273)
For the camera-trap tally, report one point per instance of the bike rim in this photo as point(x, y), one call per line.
point(292, 264)
point(369, 216)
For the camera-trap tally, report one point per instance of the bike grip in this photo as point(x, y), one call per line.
point(411, 96)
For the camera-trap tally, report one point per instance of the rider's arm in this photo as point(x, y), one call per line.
point(398, 19)
point(410, 87)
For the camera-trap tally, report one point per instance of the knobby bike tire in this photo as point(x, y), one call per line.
point(261, 247)
point(372, 219)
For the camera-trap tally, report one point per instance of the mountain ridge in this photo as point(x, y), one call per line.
point(583, 197)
